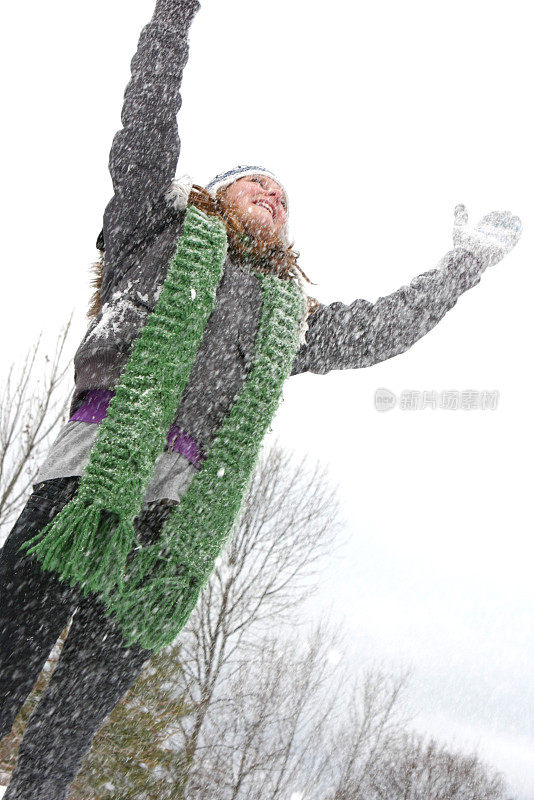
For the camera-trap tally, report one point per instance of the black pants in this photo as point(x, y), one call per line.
point(94, 670)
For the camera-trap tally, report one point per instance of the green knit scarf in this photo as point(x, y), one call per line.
point(152, 590)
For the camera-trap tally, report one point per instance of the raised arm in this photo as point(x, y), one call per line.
point(145, 151)
point(364, 333)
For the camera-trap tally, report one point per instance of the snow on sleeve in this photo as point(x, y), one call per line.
point(114, 314)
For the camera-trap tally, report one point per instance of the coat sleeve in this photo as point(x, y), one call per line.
point(363, 333)
point(145, 151)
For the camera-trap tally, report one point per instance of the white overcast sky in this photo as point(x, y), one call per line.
point(379, 118)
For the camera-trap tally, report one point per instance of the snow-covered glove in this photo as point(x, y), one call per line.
point(177, 195)
point(491, 239)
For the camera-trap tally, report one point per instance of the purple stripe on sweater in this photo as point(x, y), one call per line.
point(95, 408)
point(181, 442)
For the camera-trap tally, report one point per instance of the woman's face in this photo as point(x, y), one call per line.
point(260, 203)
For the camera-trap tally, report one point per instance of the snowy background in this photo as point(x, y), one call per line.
point(378, 118)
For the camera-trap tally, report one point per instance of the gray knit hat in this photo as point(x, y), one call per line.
point(227, 178)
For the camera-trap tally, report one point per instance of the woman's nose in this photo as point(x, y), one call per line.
point(276, 193)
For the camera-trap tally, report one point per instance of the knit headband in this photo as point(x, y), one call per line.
point(227, 178)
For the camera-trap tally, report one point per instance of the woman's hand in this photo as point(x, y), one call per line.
point(495, 235)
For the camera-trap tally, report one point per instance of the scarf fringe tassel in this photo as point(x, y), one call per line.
point(157, 598)
point(100, 538)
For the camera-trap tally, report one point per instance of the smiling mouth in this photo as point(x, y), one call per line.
point(267, 205)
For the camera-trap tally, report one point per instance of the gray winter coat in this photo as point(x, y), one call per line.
point(140, 234)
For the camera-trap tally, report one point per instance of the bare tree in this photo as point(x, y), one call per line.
point(257, 739)
point(373, 718)
point(294, 723)
point(33, 406)
point(417, 768)
point(288, 523)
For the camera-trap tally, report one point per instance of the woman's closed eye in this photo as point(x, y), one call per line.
point(264, 185)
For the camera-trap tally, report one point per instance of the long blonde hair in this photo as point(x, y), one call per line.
point(266, 253)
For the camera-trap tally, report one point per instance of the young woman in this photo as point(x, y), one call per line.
point(199, 316)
